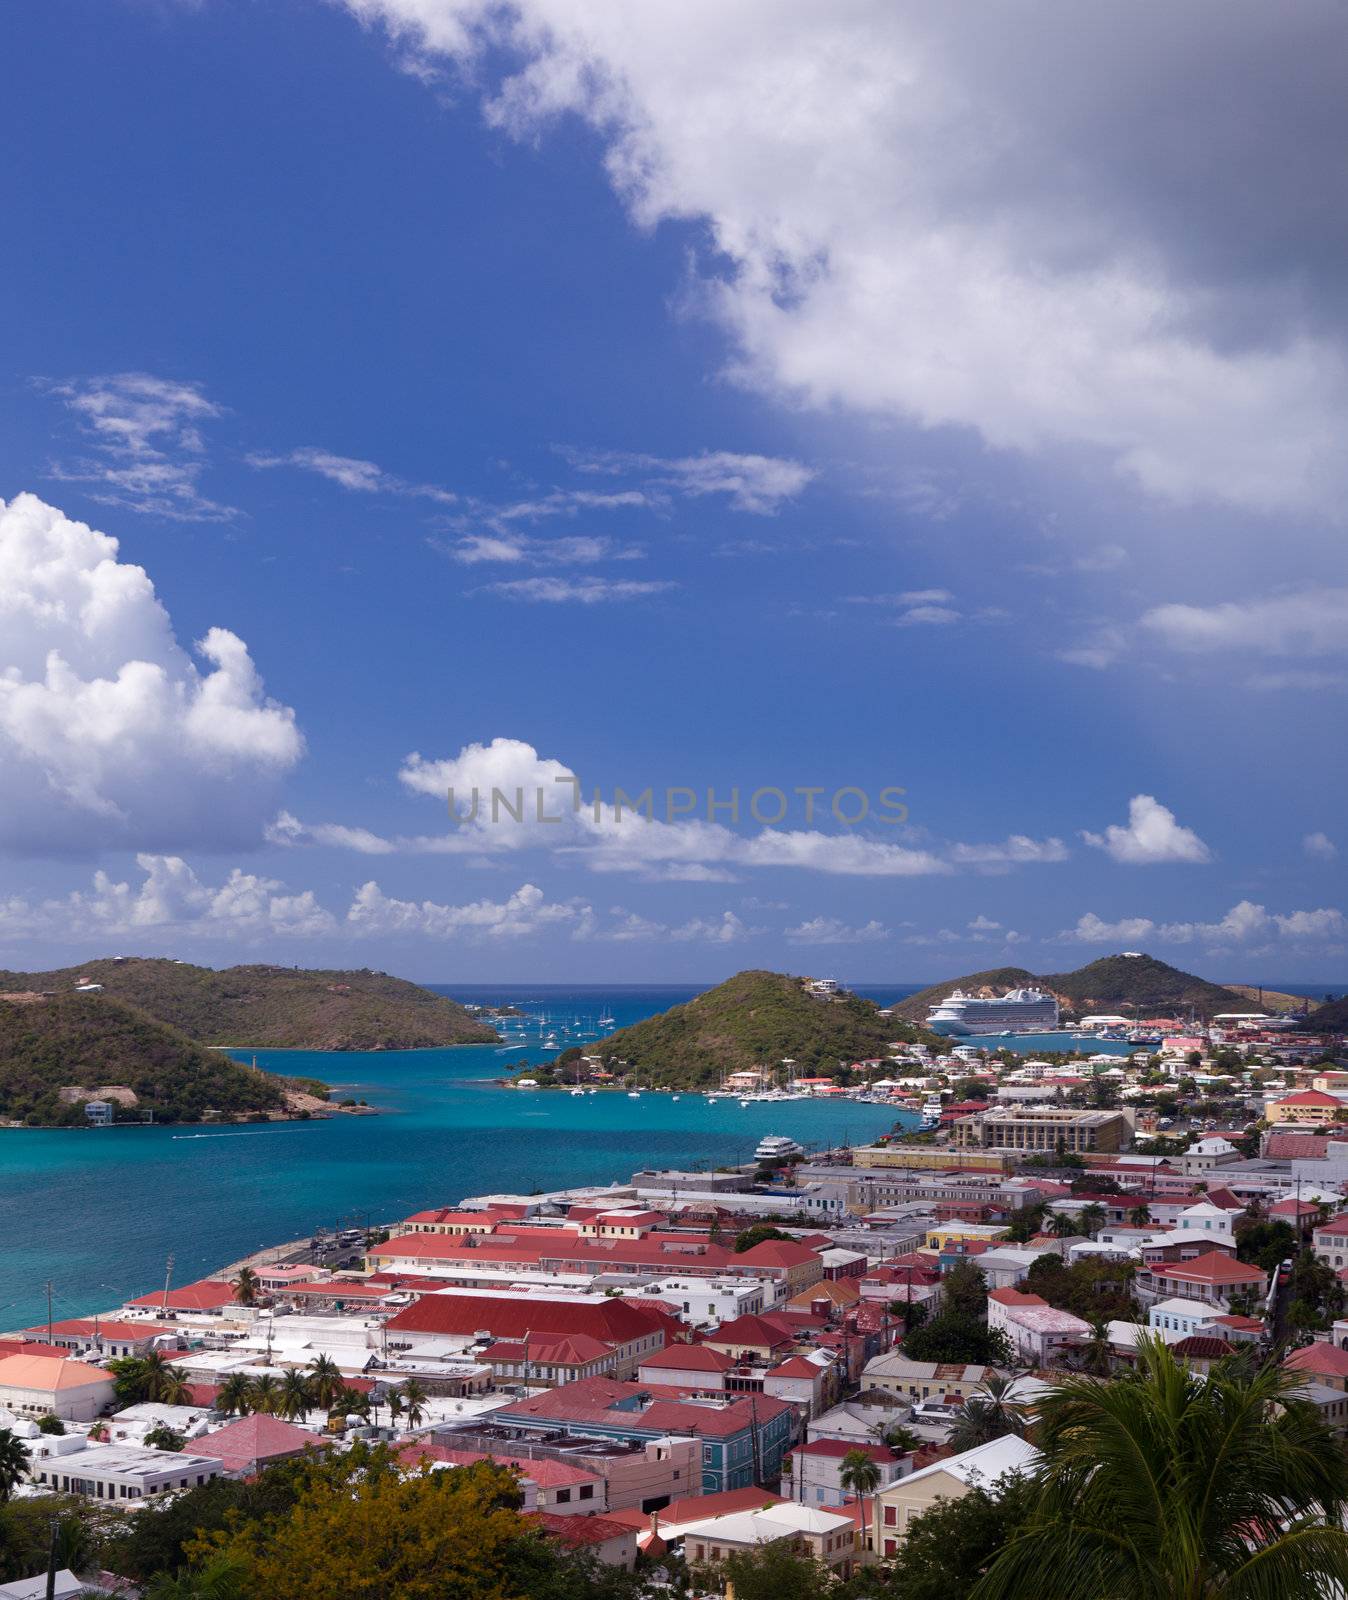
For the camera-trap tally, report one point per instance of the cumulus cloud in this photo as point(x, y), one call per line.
point(524, 914)
point(1243, 923)
point(1320, 847)
point(1152, 837)
point(988, 230)
point(830, 930)
point(110, 733)
point(170, 897)
point(1311, 623)
point(1017, 850)
point(145, 435)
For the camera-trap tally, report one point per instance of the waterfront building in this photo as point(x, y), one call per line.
point(45, 1385)
point(1043, 1129)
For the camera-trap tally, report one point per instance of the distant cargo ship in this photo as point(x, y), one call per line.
point(1018, 1011)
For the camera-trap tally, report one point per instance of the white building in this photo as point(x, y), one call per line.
point(1037, 1330)
point(124, 1472)
point(713, 1300)
point(1176, 1319)
point(39, 1386)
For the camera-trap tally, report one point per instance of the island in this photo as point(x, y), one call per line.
point(755, 1021)
point(270, 1008)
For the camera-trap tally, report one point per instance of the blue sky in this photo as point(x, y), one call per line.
point(675, 398)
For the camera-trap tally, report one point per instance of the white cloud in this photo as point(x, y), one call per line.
point(110, 734)
point(1311, 623)
point(524, 914)
point(148, 450)
point(351, 473)
point(1017, 850)
point(977, 228)
point(172, 898)
point(1152, 836)
point(930, 616)
point(1320, 847)
point(759, 484)
point(287, 829)
point(513, 550)
point(1298, 682)
point(830, 930)
point(587, 591)
point(1243, 923)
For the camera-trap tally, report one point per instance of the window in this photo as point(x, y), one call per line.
point(891, 1517)
point(586, 1491)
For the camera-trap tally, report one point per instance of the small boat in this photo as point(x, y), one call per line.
point(675, 1098)
point(575, 1092)
point(634, 1094)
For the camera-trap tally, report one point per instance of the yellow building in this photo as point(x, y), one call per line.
point(1306, 1105)
point(1043, 1129)
point(898, 1506)
point(945, 1233)
point(931, 1158)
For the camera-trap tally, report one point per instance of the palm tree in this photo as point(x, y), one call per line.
point(859, 1476)
point(1095, 1355)
point(325, 1381)
point(220, 1579)
point(1140, 1216)
point(1092, 1218)
point(246, 1286)
point(1173, 1486)
point(296, 1395)
point(264, 1395)
point(14, 1457)
point(162, 1382)
point(235, 1395)
point(990, 1412)
point(414, 1398)
point(395, 1407)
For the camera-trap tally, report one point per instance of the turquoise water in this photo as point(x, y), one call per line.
point(98, 1211)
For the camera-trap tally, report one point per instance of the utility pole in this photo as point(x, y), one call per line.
point(51, 1558)
point(168, 1278)
point(49, 1332)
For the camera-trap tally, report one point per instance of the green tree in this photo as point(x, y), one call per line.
point(1024, 1223)
point(772, 1572)
point(948, 1549)
point(296, 1397)
point(1091, 1219)
point(14, 1456)
point(246, 1286)
point(860, 1477)
point(51, 1423)
point(760, 1233)
point(235, 1395)
point(162, 1437)
point(1172, 1486)
point(947, 1338)
point(264, 1395)
point(325, 1380)
point(964, 1291)
point(219, 1578)
point(414, 1398)
point(152, 1377)
point(990, 1412)
point(1140, 1216)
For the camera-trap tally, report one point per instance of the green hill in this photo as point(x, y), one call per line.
point(1331, 1016)
point(1132, 985)
point(91, 1042)
point(279, 1008)
point(754, 1019)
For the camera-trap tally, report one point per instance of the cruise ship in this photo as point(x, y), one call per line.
point(1018, 1011)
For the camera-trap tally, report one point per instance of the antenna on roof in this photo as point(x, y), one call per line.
point(168, 1278)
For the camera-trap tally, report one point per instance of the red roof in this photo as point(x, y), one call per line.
point(547, 1474)
point(1309, 1097)
point(32, 1347)
point(1211, 1268)
point(601, 1400)
point(561, 1349)
point(747, 1331)
point(1296, 1146)
point(511, 1317)
point(255, 1438)
point(1321, 1358)
point(688, 1358)
point(577, 1532)
point(1014, 1297)
point(695, 1508)
point(207, 1295)
point(1336, 1224)
point(796, 1367)
point(103, 1328)
point(1202, 1347)
point(842, 1447)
